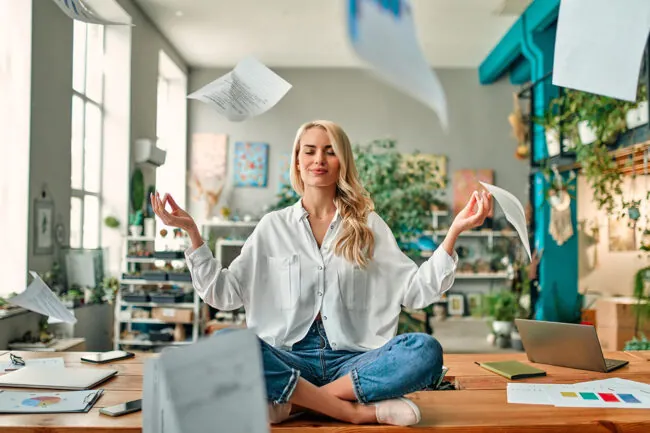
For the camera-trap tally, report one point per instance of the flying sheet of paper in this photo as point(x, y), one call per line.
point(217, 380)
point(599, 46)
point(528, 393)
point(513, 210)
point(38, 298)
point(383, 34)
point(247, 91)
point(80, 10)
point(157, 413)
point(39, 362)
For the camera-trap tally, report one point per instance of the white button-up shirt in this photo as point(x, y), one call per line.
point(283, 280)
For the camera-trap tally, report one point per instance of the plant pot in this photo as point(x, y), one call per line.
point(587, 134)
point(501, 327)
point(552, 142)
point(135, 230)
point(638, 116)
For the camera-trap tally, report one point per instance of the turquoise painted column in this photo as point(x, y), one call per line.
point(533, 38)
point(558, 273)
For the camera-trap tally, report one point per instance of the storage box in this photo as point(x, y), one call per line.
point(172, 315)
point(616, 322)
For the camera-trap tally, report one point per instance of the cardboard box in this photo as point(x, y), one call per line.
point(612, 339)
point(172, 315)
point(616, 322)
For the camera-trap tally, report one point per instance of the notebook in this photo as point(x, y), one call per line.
point(512, 369)
point(61, 378)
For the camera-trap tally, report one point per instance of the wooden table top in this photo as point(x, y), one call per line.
point(478, 406)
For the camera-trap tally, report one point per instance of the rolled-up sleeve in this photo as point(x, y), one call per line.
point(419, 286)
point(218, 286)
point(432, 279)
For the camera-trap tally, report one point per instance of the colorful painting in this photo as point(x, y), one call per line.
point(251, 164)
point(465, 182)
point(622, 237)
point(439, 162)
point(283, 167)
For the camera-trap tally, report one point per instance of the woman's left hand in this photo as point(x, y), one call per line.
point(474, 213)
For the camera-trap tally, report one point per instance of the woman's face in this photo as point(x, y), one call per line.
point(318, 165)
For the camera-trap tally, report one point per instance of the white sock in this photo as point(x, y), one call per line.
point(398, 411)
point(279, 412)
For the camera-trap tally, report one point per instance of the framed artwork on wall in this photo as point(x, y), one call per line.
point(251, 164)
point(43, 226)
point(465, 182)
point(622, 236)
point(456, 304)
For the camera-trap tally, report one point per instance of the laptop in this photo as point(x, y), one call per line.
point(565, 345)
point(56, 378)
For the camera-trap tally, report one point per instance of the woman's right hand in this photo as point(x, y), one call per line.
point(176, 218)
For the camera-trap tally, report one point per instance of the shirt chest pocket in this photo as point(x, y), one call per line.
point(284, 273)
point(353, 285)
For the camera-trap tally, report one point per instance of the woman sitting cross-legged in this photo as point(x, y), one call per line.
point(323, 283)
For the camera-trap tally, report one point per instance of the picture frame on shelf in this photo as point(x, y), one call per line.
point(456, 304)
point(475, 304)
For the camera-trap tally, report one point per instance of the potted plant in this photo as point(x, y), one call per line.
point(502, 307)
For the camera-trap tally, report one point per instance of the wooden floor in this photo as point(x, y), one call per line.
point(478, 406)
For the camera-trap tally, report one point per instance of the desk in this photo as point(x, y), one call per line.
point(479, 406)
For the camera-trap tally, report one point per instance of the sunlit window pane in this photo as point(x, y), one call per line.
point(95, 62)
point(76, 172)
point(75, 222)
point(91, 222)
point(92, 148)
point(79, 57)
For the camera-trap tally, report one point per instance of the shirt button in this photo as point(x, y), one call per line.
point(320, 293)
point(324, 317)
point(332, 227)
point(333, 344)
point(320, 268)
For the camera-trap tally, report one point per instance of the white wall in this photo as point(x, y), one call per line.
point(479, 133)
point(602, 270)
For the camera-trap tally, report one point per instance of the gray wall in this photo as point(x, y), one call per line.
point(479, 133)
point(51, 99)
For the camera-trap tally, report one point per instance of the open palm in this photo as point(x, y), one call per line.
point(176, 218)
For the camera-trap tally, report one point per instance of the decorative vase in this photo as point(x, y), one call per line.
point(150, 227)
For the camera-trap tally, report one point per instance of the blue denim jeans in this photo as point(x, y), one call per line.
point(407, 363)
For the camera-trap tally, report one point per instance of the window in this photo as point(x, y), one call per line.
point(171, 129)
point(87, 132)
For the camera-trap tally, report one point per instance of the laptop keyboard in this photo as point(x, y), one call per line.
point(611, 362)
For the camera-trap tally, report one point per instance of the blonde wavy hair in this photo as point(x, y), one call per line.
point(356, 242)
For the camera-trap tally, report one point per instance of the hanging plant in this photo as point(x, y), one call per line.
point(605, 118)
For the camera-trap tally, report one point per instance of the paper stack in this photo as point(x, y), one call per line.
point(606, 393)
